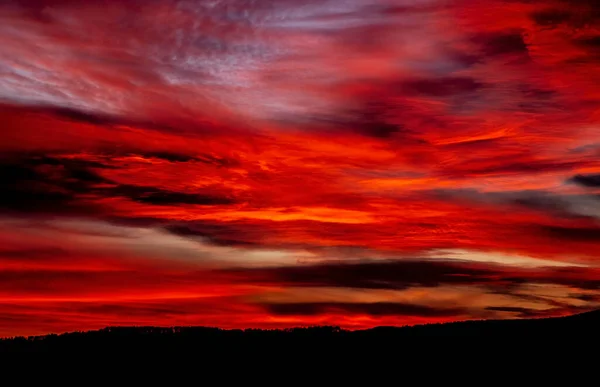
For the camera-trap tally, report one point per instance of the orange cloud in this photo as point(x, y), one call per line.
point(293, 163)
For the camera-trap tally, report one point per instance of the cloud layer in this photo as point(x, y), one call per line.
point(281, 163)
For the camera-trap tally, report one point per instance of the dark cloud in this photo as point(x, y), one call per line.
point(376, 116)
point(383, 275)
point(65, 185)
point(595, 298)
point(591, 42)
point(540, 202)
point(583, 207)
point(58, 281)
point(591, 234)
point(171, 157)
point(42, 184)
point(160, 197)
point(442, 87)
point(523, 312)
point(550, 17)
point(535, 99)
point(508, 309)
point(83, 117)
point(372, 309)
point(231, 234)
point(577, 277)
point(372, 119)
point(403, 274)
point(380, 129)
point(541, 313)
point(585, 12)
point(218, 161)
point(586, 180)
point(507, 166)
point(16, 169)
point(185, 158)
point(93, 117)
point(33, 254)
point(506, 43)
point(131, 310)
point(196, 125)
point(464, 59)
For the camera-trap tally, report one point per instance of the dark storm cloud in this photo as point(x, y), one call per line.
point(587, 297)
point(375, 116)
point(551, 17)
point(586, 180)
point(504, 165)
point(515, 309)
point(372, 120)
point(94, 118)
point(526, 312)
point(404, 274)
point(539, 201)
point(379, 129)
point(386, 111)
point(132, 310)
point(590, 234)
point(441, 87)
point(505, 43)
point(174, 157)
point(32, 254)
point(56, 185)
point(582, 207)
point(170, 156)
point(231, 234)
point(540, 313)
point(585, 8)
point(591, 42)
point(160, 197)
point(582, 278)
point(386, 275)
point(42, 183)
point(535, 99)
point(82, 116)
point(372, 309)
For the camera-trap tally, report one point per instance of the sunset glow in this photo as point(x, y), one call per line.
point(279, 163)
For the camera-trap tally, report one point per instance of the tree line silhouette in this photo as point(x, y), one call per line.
point(585, 326)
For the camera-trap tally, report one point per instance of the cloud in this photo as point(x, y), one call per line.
point(183, 158)
point(403, 274)
point(156, 196)
point(353, 149)
point(504, 43)
point(41, 183)
point(130, 275)
point(372, 309)
point(530, 313)
point(560, 207)
point(566, 233)
point(83, 116)
point(551, 17)
point(586, 180)
point(230, 234)
point(443, 87)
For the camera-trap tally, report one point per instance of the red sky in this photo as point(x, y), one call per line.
point(283, 163)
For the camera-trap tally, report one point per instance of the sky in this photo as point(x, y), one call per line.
point(281, 163)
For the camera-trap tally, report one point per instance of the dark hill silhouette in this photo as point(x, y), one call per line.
point(570, 329)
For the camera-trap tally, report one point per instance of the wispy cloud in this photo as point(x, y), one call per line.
point(276, 163)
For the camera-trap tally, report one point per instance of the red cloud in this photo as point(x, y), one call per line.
point(188, 162)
